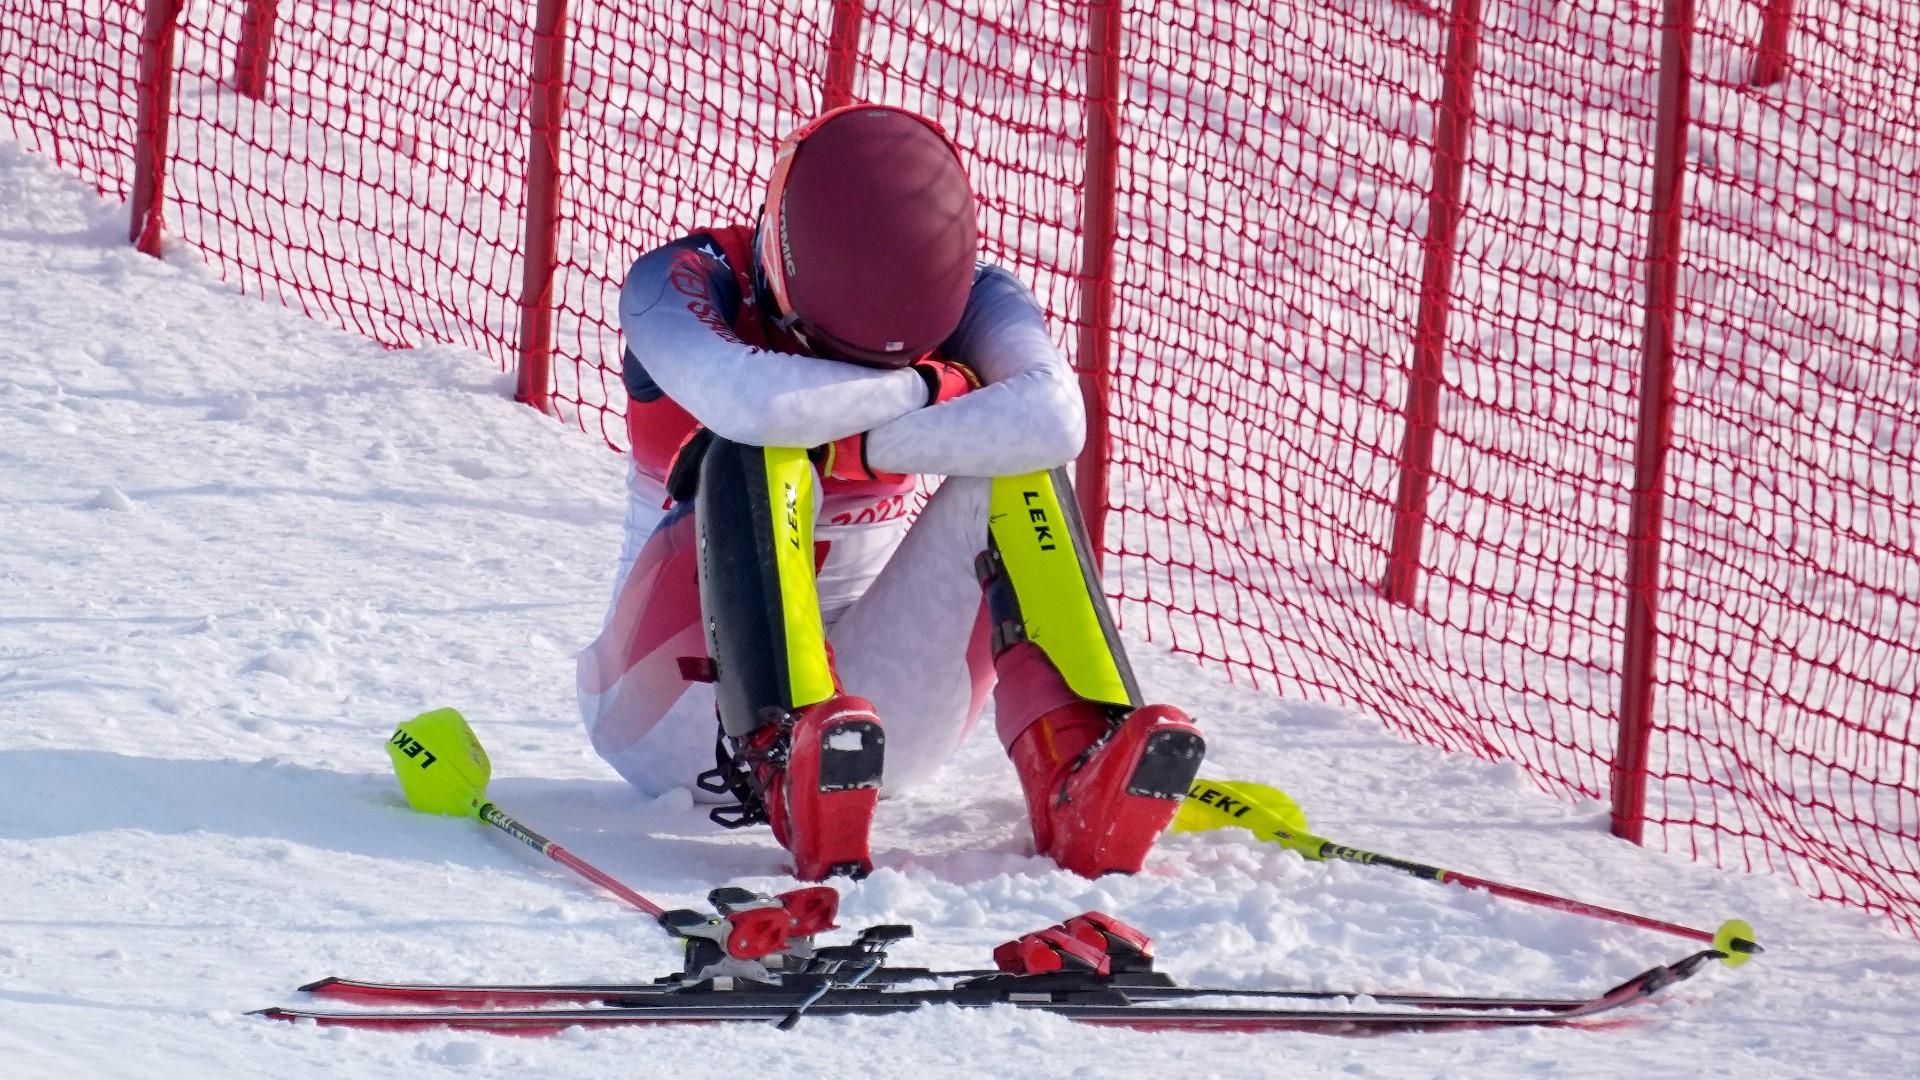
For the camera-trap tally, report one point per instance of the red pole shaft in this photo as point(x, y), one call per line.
point(1097, 238)
point(1645, 526)
point(148, 205)
point(586, 870)
point(547, 109)
point(843, 52)
point(1331, 850)
point(253, 60)
point(1776, 32)
point(510, 825)
point(1452, 130)
point(1576, 907)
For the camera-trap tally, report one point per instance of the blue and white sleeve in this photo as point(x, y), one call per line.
point(676, 310)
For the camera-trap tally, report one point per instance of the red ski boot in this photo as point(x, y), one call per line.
point(1100, 790)
point(815, 777)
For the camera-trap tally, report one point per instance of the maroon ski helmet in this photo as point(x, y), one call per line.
point(868, 240)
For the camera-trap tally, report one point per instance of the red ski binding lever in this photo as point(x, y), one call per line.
point(757, 933)
point(759, 926)
point(1052, 949)
point(812, 909)
point(1127, 948)
point(1093, 943)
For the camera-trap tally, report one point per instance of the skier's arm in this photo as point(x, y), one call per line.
point(1027, 417)
point(676, 310)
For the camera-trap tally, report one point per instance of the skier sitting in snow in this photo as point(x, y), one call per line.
point(788, 383)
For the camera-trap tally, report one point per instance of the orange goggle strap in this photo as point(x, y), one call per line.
point(773, 223)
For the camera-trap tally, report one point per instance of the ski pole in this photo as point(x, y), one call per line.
point(1271, 814)
point(443, 769)
point(495, 817)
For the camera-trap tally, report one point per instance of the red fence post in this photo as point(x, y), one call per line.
point(546, 120)
point(843, 52)
point(149, 204)
point(1666, 218)
point(1097, 235)
point(254, 58)
point(1770, 58)
point(1452, 129)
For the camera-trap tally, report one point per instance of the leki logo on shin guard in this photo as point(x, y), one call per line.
point(1042, 528)
point(412, 747)
point(792, 493)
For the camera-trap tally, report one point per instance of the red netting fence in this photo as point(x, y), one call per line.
point(1537, 376)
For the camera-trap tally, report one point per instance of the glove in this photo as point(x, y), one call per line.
point(846, 459)
point(945, 379)
point(683, 475)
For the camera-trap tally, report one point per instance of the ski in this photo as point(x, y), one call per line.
point(1106, 1001)
point(1092, 968)
point(536, 995)
point(1144, 986)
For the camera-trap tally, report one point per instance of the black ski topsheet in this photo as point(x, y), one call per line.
point(1109, 1005)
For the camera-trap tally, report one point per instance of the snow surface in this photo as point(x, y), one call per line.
point(236, 547)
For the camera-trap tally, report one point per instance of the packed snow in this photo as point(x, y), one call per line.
point(236, 547)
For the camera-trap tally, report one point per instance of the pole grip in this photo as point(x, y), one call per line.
point(501, 820)
point(1331, 850)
